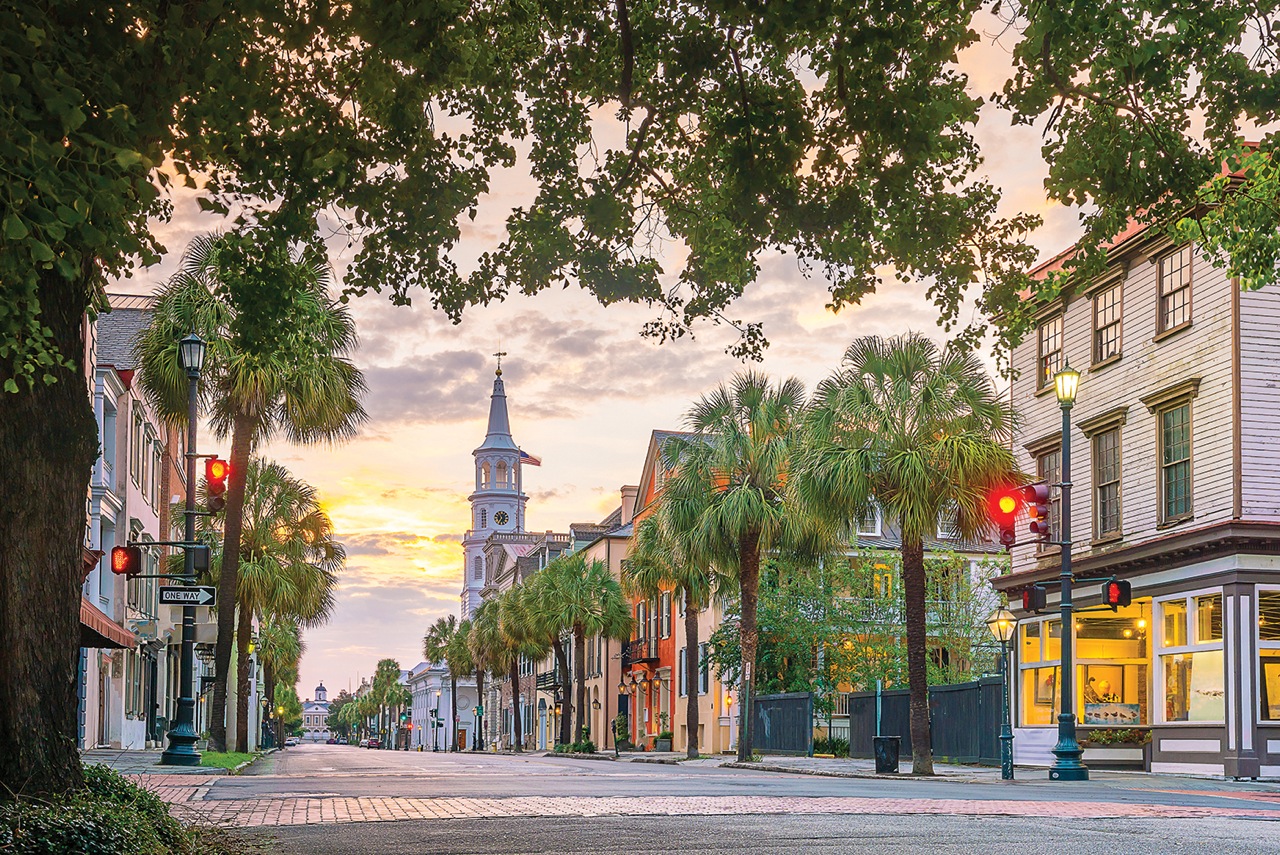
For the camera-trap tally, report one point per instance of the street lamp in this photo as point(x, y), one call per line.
point(280, 726)
point(435, 725)
point(1002, 624)
point(1067, 765)
point(435, 731)
point(182, 736)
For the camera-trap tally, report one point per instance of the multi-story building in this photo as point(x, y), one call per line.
point(432, 709)
point(315, 716)
point(1175, 433)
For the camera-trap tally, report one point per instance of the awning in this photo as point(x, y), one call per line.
point(98, 630)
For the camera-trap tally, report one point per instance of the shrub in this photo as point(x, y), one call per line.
point(109, 816)
point(586, 746)
point(836, 747)
point(1119, 736)
point(666, 734)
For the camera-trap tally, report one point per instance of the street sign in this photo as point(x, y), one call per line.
point(196, 595)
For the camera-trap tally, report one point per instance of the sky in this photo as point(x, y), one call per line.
point(584, 391)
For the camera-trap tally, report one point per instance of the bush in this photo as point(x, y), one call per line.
point(109, 816)
point(666, 734)
point(836, 747)
point(586, 746)
point(1119, 736)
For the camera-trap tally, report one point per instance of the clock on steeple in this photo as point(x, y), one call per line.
point(501, 518)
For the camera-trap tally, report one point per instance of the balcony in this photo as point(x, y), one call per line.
point(639, 652)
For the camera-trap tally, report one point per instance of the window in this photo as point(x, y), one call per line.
point(135, 449)
point(1175, 462)
point(1269, 653)
point(681, 675)
point(1106, 483)
point(1175, 290)
point(1049, 336)
point(1106, 324)
point(502, 474)
point(1049, 470)
point(1039, 658)
point(642, 625)
point(704, 670)
point(477, 568)
point(484, 475)
point(484, 518)
point(666, 614)
point(948, 528)
point(1191, 662)
point(869, 522)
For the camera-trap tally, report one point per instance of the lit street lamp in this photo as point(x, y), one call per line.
point(182, 736)
point(1067, 765)
point(1002, 624)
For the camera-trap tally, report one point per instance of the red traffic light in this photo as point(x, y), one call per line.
point(1037, 498)
point(1116, 593)
point(126, 560)
point(216, 472)
point(1034, 599)
point(1003, 506)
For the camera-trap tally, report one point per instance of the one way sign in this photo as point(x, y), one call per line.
point(198, 595)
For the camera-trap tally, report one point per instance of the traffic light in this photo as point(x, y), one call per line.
point(1037, 498)
point(216, 471)
point(1034, 599)
point(1116, 593)
point(1003, 505)
point(126, 560)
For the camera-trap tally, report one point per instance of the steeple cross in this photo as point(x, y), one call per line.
point(500, 354)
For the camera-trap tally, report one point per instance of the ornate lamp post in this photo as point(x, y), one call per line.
point(1002, 624)
point(182, 736)
point(1067, 765)
point(280, 726)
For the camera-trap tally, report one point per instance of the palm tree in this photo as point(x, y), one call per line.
point(544, 621)
point(276, 363)
point(288, 565)
point(587, 600)
point(446, 641)
point(488, 650)
point(726, 497)
point(280, 648)
point(513, 627)
point(659, 561)
point(385, 693)
point(921, 432)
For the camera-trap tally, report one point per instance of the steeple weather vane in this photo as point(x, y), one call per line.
point(500, 354)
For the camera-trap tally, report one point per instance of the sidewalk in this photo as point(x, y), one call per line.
point(146, 761)
point(856, 767)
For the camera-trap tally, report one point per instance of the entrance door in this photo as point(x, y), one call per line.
point(104, 696)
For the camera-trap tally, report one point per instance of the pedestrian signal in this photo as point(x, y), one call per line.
point(1034, 599)
point(126, 560)
point(1116, 593)
point(216, 471)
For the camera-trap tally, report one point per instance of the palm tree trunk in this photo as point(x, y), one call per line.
point(241, 442)
point(477, 741)
point(269, 678)
point(913, 584)
point(517, 726)
point(748, 585)
point(244, 633)
point(580, 679)
point(562, 660)
point(453, 712)
point(48, 443)
point(691, 670)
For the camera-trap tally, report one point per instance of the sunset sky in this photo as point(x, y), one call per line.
point(584, 392)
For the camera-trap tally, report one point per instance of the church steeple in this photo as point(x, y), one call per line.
point(498, 435)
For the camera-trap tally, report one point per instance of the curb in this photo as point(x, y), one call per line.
point(867, 776)
point(567, 756)
point(664, 761)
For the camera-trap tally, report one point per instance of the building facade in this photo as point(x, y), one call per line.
point(1174, 437)
point(315, 716)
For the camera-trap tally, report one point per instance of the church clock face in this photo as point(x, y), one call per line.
point(501, 518)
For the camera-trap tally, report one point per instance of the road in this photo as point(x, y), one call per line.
point(318, 799)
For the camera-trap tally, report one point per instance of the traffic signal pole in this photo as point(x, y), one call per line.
point(182, 736)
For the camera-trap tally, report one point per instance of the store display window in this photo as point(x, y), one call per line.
point(1192, 683)
point(1269, 653)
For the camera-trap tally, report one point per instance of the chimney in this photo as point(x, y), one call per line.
point(629, 496)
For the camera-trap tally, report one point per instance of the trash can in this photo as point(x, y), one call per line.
point(887, 748)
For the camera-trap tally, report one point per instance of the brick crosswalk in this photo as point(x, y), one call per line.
point(188, 795)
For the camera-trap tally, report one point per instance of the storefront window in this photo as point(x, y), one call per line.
point(1269, 653)
point(1040, 648)
point(1114, 662)
point(1191, 661)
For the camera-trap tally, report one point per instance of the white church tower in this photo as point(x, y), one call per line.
point(498, 503)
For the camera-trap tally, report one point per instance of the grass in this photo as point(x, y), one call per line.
point(223, 759)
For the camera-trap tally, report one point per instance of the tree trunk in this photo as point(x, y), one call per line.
point(913, 585)
point(268, 677)
point(566, 721)
point(453, 712)
point(517, 726)
point(477, 740)
point(241, 445)
point(48, 443)
point(748, 586)
point(580, 679)
point(244, 634)
point(691, 671)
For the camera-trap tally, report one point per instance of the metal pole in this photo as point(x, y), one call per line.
point(1006, 731)
point(182, 737)
point(1067, 766)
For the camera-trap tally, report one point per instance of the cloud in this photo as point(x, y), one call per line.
point(379, 543)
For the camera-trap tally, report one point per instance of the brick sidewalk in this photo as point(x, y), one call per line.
point(188, 795)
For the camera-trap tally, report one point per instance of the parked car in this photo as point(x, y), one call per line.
point(292, 741)
point(364, 743)
point(331, 741)
point(374, 743)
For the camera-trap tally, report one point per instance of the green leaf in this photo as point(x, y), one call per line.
point(11, 386)
point(14, 228)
